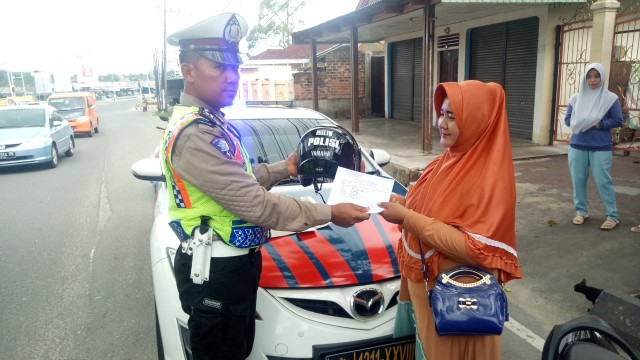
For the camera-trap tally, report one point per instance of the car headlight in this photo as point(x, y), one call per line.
point(83, 118)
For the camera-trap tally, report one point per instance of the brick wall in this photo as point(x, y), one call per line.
point(334, 81)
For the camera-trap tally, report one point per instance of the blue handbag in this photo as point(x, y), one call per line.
point(478, 308)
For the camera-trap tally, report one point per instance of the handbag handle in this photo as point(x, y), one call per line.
point(481, 276)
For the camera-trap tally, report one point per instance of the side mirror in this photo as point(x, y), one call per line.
point(381, 157)
point(56, 123)
point(164, 117)
point(149, 169)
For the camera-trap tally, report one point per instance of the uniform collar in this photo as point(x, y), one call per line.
point(190, 100)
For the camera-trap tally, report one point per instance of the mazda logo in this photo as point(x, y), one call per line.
point(367, 304)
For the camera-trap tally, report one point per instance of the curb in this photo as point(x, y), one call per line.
point(406, 175)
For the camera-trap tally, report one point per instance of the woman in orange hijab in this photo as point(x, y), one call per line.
point(462, 210)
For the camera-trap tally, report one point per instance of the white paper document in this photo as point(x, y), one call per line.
point(360, 188)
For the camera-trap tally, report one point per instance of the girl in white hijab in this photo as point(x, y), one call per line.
point(591, 115)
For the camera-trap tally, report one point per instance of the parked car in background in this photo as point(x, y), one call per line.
point(79, 108)
point(33, 134)
point(324, 292)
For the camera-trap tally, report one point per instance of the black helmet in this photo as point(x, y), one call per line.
point(322, 149)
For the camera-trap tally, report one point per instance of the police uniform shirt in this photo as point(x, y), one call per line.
point(226, 181)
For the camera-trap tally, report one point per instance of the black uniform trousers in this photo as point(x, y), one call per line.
point(221, 310)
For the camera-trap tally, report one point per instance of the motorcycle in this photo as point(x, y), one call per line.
point(593, 336)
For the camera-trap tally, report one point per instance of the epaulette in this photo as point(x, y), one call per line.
point(207, 114)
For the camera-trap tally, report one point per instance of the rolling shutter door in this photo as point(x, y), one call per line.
point(487, 53)
point(520, 75)
point(507, 54)
point(402, 74)
point(417, 80)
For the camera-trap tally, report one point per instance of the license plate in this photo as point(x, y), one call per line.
point(7, 155)
point(389, 349)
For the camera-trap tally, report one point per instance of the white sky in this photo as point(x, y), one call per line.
point(118, 35)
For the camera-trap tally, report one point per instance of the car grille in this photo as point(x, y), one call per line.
point(330, 308)
point(10, 146)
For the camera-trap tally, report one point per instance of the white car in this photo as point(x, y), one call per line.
point(327, 293)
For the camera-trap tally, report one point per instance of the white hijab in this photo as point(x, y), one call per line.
point(588, 105)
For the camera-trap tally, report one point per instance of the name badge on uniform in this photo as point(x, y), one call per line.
point(222, 145)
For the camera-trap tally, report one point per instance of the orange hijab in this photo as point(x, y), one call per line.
point(472, 184)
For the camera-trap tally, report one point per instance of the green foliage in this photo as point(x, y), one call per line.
point(130, 77)
point(4, 81)
point(109, 78)
point(20, 79)
point(29, 80)
point(139, 77)
point(276, 21)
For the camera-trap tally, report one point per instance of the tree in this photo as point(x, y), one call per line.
point(4, 79)
point(109, 77)
point(21, 80)
point(276, 21)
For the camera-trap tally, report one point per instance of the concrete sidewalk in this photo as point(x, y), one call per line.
point(401, 139)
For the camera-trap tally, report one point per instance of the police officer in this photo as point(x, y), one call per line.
point(221, 202)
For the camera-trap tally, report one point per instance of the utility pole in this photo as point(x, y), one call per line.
point(10, 78)
point(12, 84)
point(24, 87)
point(163, 94)
point(164, 58)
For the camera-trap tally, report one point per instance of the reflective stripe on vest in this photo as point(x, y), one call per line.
point(189, 203)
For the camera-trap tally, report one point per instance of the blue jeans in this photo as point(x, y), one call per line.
point(600, 163)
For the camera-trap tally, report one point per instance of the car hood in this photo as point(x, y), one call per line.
point(20, 135)
point(324, 256)
point(330, 255)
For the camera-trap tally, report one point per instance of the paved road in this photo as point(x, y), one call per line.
point(74, 259)
point(555, 254)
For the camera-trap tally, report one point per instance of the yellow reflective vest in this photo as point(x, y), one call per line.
point(187, 204)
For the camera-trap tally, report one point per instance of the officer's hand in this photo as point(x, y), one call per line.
point(292, 164)
point(347, 214)
point(393, 212)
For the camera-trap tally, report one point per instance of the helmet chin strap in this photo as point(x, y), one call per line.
point(317, 186)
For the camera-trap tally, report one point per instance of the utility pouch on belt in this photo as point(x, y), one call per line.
point(201, 245)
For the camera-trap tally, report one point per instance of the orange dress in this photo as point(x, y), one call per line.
point(463, 212)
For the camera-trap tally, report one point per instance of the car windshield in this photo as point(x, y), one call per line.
point(17, 118)
point(70, 103)
point(272, 140)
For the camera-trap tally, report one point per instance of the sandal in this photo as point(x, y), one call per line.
point(609, 224)
point(579, 219)
point(636, 229)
